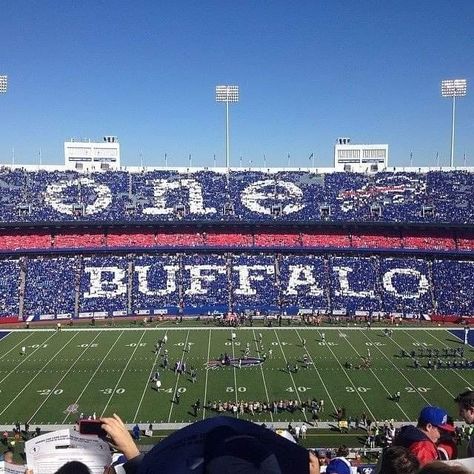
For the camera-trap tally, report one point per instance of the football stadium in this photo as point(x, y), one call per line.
point(270, 287)
point(303, 305)
point(331, 304)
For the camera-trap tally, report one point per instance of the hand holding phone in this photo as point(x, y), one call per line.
point(92, 427)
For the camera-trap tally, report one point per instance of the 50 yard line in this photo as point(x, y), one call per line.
point(263, 376)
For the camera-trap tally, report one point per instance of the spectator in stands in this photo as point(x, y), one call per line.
point(73, 467)
point(440, 467)
point(447, 444)
point(465, 401)
point(136, 429)
point(421, 439)
point(397, 460)
point(322, 458)
point(8, 456)
point(339, 466)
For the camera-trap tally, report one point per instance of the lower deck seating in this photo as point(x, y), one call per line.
point(200, 283)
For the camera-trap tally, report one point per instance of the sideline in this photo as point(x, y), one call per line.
point(240, 328)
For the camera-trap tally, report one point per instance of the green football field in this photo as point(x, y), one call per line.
point(63, 374)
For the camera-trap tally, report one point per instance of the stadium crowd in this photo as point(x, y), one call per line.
point(49, 287)
point(59, 196)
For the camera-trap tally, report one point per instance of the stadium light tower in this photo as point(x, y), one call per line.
point(3, 84)
point(227, 94)
point(453, 88)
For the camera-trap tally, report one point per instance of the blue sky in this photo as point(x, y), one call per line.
point(308, 71)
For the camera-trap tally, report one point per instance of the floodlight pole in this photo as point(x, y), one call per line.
point(227, 145)
point(453, 115)
point(453, 88)
point(227, 94)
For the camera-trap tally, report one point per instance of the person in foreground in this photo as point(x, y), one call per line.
point(123, 441)
point(397, 460)
point(439, 467)
point(219, 445)
point(465, 401)
point(339, 465)
point(421, 439)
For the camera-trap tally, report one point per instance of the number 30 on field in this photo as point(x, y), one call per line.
point(357, 389)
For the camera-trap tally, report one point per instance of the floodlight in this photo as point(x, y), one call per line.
point(453, 88)
point(227, 94)
point(3, 84)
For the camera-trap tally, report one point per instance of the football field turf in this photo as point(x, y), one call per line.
point(63, 374)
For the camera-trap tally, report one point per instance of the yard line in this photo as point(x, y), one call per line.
point(147, 382)
point(177, 378)
point(63, 377)
point(291, 375)
point(38, 373)
point(263, 376)
point(350, 381)
point(432, 376)
point(27, 357)
point(204, 404)
point(14, 347)
point(398, 370)
point(123, 373)
point(95, 371)
point(317, 371)
point(234, 369)
point(379, 381)
point(469, 384)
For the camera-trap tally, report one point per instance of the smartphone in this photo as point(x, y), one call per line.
point(92, 427)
